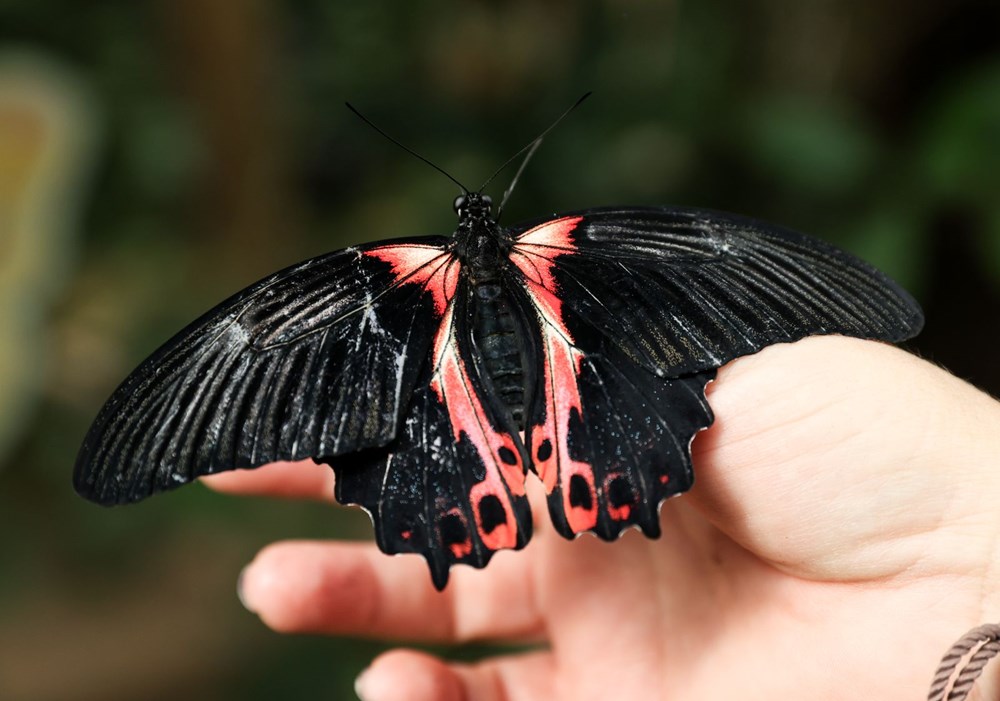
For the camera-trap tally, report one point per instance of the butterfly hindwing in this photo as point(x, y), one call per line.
point(451, 487)
point(635, 434)
point(609, 439)
point(318, 359)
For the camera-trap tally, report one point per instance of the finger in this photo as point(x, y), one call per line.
point(406, 675)
point(299, 480)
point(354, 589)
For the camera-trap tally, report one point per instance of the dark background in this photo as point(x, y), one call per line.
point(157, 156)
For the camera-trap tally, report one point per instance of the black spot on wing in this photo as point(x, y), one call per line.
point(544, 451)
point(579, 493)
point(491, 513)
point(620, 492)
point(453, 531)
point(507, 455)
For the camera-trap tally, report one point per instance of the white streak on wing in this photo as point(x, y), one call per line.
point(693, 336)
point(382, 487)
point(400, 365)
point(237, 334)
point(371, 320)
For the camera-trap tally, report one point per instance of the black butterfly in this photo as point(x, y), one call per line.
point(433, 372)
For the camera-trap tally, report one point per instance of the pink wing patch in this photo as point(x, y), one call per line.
point(534, 255)
point(430, 266)
point(438, 271)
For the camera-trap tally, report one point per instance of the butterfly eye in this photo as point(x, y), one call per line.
point(488, 201)
point(458, 204)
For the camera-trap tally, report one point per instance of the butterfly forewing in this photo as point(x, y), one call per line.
point(318, 359)
point(684, 290)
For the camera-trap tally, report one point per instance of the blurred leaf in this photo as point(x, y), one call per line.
point(814, 147)
point(648, 161)
point(47, 129)
point(960, 154)
point(961, 149)
point(893, 238)
point(162, 150)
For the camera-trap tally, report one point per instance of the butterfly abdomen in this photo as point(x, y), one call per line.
point(497, 336)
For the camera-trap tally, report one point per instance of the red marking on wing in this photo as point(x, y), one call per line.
point(454, 388)
point(552, 234)
point(619, 513)
point(435, 269)
point(561, 366)
point(534, 254)
point(536, 250)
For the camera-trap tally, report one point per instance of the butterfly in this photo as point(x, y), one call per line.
point(434, 373)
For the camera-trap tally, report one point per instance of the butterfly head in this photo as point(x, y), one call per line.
point(473, 207)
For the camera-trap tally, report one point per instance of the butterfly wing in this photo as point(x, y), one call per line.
point(451, 487)
point(637, 308)
point(320, 359)
point(685, 290)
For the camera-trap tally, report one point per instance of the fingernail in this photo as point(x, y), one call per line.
point(240, 593)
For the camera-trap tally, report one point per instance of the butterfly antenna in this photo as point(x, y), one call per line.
point(531, 147)
point(410, 151)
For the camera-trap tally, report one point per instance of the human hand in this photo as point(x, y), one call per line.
point(841, 534)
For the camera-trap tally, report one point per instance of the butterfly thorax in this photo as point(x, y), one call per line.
point(483, 249)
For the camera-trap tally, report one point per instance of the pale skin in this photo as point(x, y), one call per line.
point(841, 535)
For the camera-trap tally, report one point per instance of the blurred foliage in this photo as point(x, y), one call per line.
point(227, 153)
point(46, 134)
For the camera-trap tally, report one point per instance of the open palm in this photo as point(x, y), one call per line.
point(841, 534)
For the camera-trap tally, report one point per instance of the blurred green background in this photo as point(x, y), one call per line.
point(157, 156)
